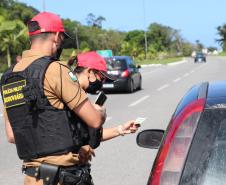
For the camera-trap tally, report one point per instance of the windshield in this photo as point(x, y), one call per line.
point(115, 64)
point(216, 166)
point(199, 55)
point(206, 163)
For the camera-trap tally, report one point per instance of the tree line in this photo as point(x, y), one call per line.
point(162, 41)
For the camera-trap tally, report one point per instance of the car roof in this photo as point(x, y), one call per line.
point(213, 92)
point(217, 89)
point(216, 94)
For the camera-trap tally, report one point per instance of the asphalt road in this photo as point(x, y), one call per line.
point(120, 161)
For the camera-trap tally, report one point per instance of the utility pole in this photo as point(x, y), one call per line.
point(145, 32)
point(76, 38)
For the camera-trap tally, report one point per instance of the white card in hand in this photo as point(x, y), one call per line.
point(140, 120)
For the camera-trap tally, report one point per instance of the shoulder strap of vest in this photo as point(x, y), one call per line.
point(39, 66)
point(35, 74)
point(37, 70)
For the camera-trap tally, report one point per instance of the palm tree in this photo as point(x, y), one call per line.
point(93, 21)
point(12, 36)
point(98, 21)
point(222, 33)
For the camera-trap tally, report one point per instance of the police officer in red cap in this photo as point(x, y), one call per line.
point(43, 100)
point(91, 71)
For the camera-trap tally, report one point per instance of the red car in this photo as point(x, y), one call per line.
point(192, 151)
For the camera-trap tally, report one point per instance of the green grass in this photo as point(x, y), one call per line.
point(222, 54)
point(161, 61)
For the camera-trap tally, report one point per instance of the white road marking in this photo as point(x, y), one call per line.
point(186, 74)
point(139, 101)
point(108, 118)
point(192, 71)
point(163, 87)
point(176, 80)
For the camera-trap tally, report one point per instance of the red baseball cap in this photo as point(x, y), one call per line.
point(46, 22)
point(93, 60)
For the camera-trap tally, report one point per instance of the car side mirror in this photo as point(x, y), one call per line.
point(138, 66)
point(150, 138)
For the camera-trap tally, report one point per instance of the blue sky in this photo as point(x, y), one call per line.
point(196, 19)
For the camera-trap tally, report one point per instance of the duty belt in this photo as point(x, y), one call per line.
point(52, 174)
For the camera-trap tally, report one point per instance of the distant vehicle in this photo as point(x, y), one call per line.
point(128, 76)
point(193, 148)
point(200, 57)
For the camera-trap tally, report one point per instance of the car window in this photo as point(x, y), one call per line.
point(206, 162)
point(200, 55)
point(216, 168)
point(131, 63)
point(116, 64)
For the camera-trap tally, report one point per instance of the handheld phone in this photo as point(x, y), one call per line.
point(101, 98)
point(139, 121)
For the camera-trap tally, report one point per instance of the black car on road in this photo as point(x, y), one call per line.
point(127, 74)
point(193, 148)
point(200, 57)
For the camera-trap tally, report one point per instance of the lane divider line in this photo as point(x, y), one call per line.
point(139, 101)
point(177, 80)
point(163, 87)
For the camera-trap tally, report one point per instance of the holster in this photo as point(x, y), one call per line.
point(77, 175)
point(49, 174)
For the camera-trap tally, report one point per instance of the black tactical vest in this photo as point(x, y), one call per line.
point(39, 128)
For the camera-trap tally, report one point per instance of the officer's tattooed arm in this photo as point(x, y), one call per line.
point(8, 129)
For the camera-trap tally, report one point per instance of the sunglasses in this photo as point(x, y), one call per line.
point(100, 75)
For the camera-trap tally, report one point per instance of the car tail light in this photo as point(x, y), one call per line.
point(171, 158)
point(125, 73)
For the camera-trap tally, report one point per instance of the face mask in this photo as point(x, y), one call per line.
point(94, 86)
